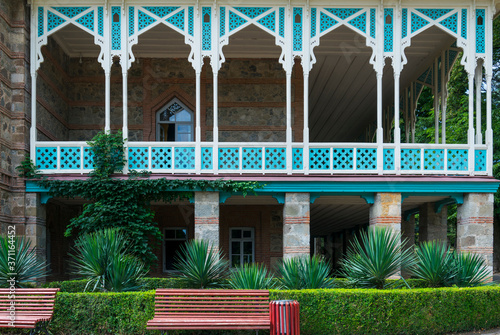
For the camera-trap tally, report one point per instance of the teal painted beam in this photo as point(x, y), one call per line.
point(410, 212)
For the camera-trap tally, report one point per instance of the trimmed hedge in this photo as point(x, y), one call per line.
point(322, 312)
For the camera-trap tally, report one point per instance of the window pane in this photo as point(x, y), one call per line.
point(166, 115)
point(247, 233)
point(247, 248)
point(184, 137)
point(236, 233)
point(247, 259)
point(184, 128)
point(171, 248)
point(169, 233)
point(235, 261)
point(235, 248)
point(181, 234)
point(183, 115)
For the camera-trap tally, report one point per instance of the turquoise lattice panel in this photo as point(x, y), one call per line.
point(41, 19)
point(388, 159)
point(480, 160)
point(451, 23)
point(70, 12)
point(207, 158)
point(145, 20)
point(88, 159)
point(480, 28)
point(222, 29)
point(229, 158)
point(343, 13)
point(326, 22)
point(275, 158)
point(366, 159)
point(100, 21)
point(87, 21)
point(191, 21)
point(410, 159)
point(342, 159)
point(458, 160)
point(388, 29)
point(434, 159)
point(206, 29)
point(46, 158)
point(298, 159)
point(160, 11)
point(434, 13)
point(177, 20)
point(116, 40)
point(138, 158)
point(464, 24)
point(404, 27)
point(70, 158)
point(235, 21)
point(54, 21)
point(297, 29)
point(269, 21)
point(417, 22)
point(252, 12)
point(161, 158)
point(131, 21)
point(313, 21)
point(252, 158)
point(282, 22)
point(359, 22)
point(184, 158)
point(319, 159)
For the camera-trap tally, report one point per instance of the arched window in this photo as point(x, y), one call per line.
point(174, 123)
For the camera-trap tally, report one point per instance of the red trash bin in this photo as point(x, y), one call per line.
point(284, 317)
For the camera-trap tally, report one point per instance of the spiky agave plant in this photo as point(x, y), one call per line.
point(374, 257)
point(470, 270)
point(199, 265)
point(305, 273)
point(434, 264)
point(251, 277)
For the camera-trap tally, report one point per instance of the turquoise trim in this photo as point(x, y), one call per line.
point(410, 212)
point(280, 197)
point(440, 204)
point(223, 196)
point(44, 198)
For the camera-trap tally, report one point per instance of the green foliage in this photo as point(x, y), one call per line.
point(21, 260)
point(305, 273)
point(28, 169)
point(434, 264)
point(251, 277)
point(470, 270)
point(108, 154)
point(104, 260)
point(375, 256)
point(200, 266)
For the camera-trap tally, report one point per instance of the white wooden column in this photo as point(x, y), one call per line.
point(379, 69)
point(470, 68)
point(488, 64)
point(33, 71)
point(306, 68)
point(215, 71)
point(125, 66)
point(435, 73)
point(288, 70)
point(479, 80)
point(108, 62)
point(397, 73)
point(198, 64)
point(444, 96)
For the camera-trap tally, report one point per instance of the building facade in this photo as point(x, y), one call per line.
point(315, 99)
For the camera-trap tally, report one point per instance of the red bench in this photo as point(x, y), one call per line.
point(30, 308)
point(210, 309)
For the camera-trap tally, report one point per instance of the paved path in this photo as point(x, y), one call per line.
point(495, 331)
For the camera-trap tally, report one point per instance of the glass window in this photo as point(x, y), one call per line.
point(242, 246)
point(173, 239)
point(174, 123)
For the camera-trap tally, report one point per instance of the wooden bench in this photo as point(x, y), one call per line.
point(210, 309)
point(30, 308)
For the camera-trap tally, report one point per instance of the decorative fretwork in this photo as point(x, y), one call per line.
point(359, 22)
point(388, 29)
point(206, 158)
point(480, 21)
point(116, 40)
point(40, 21)
point(275, 158)
point(297, 29)
point(366, 159)
point(235, 21)
point(145, 20)
point(451, 23)
point(70, 12)
point(282, 22)
point(206, 33)
point(372, 22)
point(313, 21)
point(100, 21)
point(252, 12)
point(131, 21)
point(297, 159)
point(70, 158)
point(417, 22)
point(160, 11)
point(87, 21)
point(54, 21)
point(458, 160)
point(138, 158)
point(343, 13)
point(319, 159)
point(480, 160)
point(410, 159)
point(388, 159)
point(326, 22)
point(404, 23)
point(229, 159)
point(434, 13)
point(184, 158)
point(177, 20)
point(342, 159)
point(464, 24)
point(191, 21)
point(88, 158)
point(433, 159)
point(269, 21)
point(161, 158)
point(252, 158)
point(222, 29)
point(46, 158)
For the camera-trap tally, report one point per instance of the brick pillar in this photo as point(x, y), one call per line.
point(386, 211)
point(296, 231)
point(206, 217)
point(475, 226)
point(36, 229)
point(432, 225)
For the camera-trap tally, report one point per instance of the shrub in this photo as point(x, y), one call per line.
point(251, 277)
point(434, 264)
point(377, 255)
point(470, 270)
point(103, 259)
point(17, 257)
point(305, 273)
point(200, 266)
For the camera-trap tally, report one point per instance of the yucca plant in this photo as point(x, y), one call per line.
point(22, 261)
point(251, 277)
point(374, 257)
point(103, 258)
point(470, 270)
point(305, 273)
point(434, 264)
point(199, 265)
